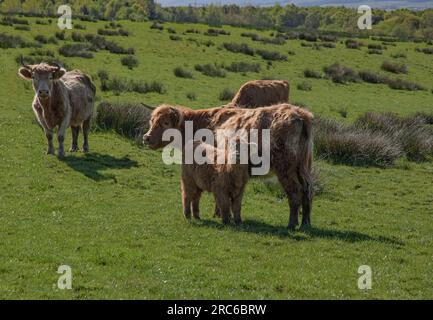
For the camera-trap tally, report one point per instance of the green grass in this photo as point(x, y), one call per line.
point(114, 215)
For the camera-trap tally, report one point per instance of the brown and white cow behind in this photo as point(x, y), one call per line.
point(261, 93)
point(62, 99)
point(291, 142)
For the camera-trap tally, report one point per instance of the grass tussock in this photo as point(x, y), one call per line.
point(129, 61)
point(226, 95)
point(121, 85)
point(394, 67)
point(128, 119)
point(341, 74)
point(305, 86)
point(182, 73)
point(7, 41)
point(243, 67)
point(272, 55)
point(76, 50)
point(238, 48)
point(308, 73)
point(211, 70)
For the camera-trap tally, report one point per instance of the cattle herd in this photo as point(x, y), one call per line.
point(66, 99)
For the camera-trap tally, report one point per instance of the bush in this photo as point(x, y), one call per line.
point(425, 50)
point(211, 70)
point(238, 48)
point(308, 73)
point(376, 47)
point(191, 96)
point(328, 38)
point(76, 50)
point(39, 52)
point(60, 35)
point(22, 28)
point(129, 61)
point(400, 84)
point(103, 75)
point(175, 37)
point(120, 32)
point(182, 73)
point(399, 55)
point(119, 85)
point(171, 30)
point(394, 67)
point(272, 55)
point(353, 44)
point(127, 119)
point(7, 41)
point(226, 95)
point(216, 32)
point(243, 67)
point(329, 45)
point(341, 74)
point(8, 20)
point(348, 145)
point(192, 31)
point(77, 37)
point(79, 26)
point(411, 133)
point(157, 26)
point(308, 37)
point(371, 77)
point(305, 86)
point(374, 51)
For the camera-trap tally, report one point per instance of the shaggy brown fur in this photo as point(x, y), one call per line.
point(291, 142)
point(226, 182)
point(62, 99)
point(261, 93)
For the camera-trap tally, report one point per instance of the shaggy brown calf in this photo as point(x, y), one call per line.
point(226, 182)
point(261, 93)
point(291, 142)
point(62, 99)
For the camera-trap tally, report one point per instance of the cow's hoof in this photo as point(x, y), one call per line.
point(85, 149)
point(51, 152)
point(291, 227)
point(73, 149)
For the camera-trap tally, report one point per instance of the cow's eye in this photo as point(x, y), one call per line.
point(166, 123)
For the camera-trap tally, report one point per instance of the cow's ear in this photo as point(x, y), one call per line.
point(59, 73)
point(176, 116)
point(25, 73)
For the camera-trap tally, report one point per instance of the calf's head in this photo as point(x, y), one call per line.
point(42, 77)
point(164, 117)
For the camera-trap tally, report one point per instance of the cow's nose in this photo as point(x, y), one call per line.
point(44, 93)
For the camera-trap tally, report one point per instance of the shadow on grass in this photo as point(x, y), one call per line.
point(305, 234)
point(92, 164)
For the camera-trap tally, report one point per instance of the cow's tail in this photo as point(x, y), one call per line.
point(305, 166)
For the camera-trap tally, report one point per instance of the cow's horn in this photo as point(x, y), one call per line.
point(148, 106)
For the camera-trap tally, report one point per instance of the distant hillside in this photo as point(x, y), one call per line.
point(382, 4)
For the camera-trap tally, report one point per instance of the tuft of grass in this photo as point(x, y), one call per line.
point(308, 73)
point(121, 85)
point(211, 70)
point(353, 44)
point(341, 74)
point(128, 119)
point(343, 144)
point(272, 55)
point(238, 48)
point(226, 95)
point(191, 96)
point(394, 67)
point(76, 50)
point(243, 67)
point(182, 73)
point(129, 61)
point(305, 86)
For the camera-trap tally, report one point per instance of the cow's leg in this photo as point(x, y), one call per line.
point(195, 205)
point(62, 131)
point(75, 133)
point(223, 203)
point(86, 130)
point(236, 208)
point(49, 134)
point(293, 190)
point(217, 211)
point(186, 201)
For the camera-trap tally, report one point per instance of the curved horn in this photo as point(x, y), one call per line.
point(148, 106)
point(22, 62)
point(54, 64)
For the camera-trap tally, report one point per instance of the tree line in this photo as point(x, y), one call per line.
point(402, 23)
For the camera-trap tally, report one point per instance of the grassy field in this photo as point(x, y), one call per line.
point(114, 215)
